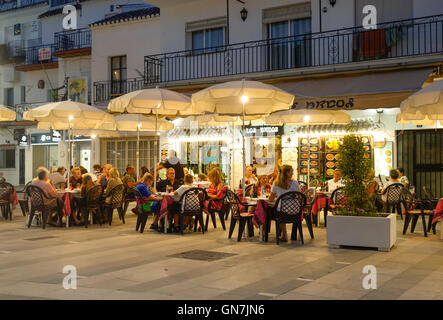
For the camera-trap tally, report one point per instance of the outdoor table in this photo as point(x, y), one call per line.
point(67, 196)
point(261, 211)
point(322, 201)
point(438, 214)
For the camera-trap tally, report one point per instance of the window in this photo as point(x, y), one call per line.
point(207, 40)
point(9, 97)
point(118, 75)
point(292, 45)
point(206, 35)
point(120, 153)
point(7, 158)
point(23, 94)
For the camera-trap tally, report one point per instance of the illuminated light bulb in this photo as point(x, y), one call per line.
point(244, 99)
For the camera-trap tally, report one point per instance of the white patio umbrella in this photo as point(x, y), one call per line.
point(7, 114)
point(426, 103)
point(308, 117)
point(416, 118)
point(156, 102)
point(242, 98)
point(68, 115)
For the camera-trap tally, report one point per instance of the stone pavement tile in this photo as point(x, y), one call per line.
point(197, 293)
point(114, 283)
point(298, 296)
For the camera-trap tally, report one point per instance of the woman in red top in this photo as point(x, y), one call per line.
point(217, 187)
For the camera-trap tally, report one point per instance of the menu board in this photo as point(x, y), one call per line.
point(314, 156)
point(324, 154)
point(383, 159)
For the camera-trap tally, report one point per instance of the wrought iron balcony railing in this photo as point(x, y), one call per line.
point(406, 38)
point(18, 4)
point(16, 49)
point(40, 54)
point(107, 90)
point(56, 3)
point(72, 39)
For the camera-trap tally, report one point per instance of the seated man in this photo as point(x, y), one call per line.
point(335, 182)
point(129, 181)
point(104, 177)
point(58, 178)
point(170, 181)
point(53, 199)
point(174, 207)
point(75, 180)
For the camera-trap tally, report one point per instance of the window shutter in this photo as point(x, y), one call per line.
point(297, 11)
point(206, 24)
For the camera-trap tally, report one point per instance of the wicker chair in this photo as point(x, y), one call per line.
point(37, 196)
point(6, 189)
point(116, 202)
point(128, 198)
point(307, 210)
point(234, 205)
point(337, 197)
point(24, 200)
point(92, 204)
point(394, 198)
point(217, 206)
point(142, 216)
point(288, 209)
point(432, 200)
point(415, 208)
point(191, 203)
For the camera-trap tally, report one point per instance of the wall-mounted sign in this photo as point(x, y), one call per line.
point(44, 54)
point(263, 130)
point(54, 136)
point(325, 104)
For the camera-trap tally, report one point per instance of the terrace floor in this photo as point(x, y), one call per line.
point(118, 263)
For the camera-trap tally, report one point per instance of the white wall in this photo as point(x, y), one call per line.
point(135, 40)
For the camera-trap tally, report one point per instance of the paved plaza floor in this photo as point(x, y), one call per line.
point(115, 262)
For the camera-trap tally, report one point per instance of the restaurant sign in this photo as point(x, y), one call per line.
point(263, 130)
point(54, 136)
point(325, 104)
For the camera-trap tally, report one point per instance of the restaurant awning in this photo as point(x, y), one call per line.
point(350, 92)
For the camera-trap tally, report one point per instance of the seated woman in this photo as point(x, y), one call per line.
point(216, 189)
point(260, 187)
point(283, 184)
point(114, 180)
point(150, 201)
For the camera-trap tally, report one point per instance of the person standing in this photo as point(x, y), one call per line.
point(173, 162)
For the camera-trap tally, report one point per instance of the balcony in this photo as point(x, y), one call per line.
point(13, 52)
point(19, 4)
point(107, 90)
point(56, 3)
point(38, 57)
point(73, 43)
point(406, 38)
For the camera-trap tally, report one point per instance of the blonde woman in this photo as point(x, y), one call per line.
point(283, 184)
point(114, 180)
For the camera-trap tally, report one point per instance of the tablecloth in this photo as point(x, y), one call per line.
point(438, 212)
point(13, 199)
point(67, 199)
point(319, 202)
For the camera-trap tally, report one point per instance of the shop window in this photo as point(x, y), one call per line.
point(7, 158)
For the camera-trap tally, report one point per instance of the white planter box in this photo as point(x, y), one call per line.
point(373, 232)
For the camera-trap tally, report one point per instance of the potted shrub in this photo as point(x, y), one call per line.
point(356, 222)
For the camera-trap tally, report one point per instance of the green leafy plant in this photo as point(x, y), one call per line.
point(355, 168)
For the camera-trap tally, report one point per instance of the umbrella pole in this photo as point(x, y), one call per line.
point(309, 156)
point(155, 153)
point(244, 153)
point(232, 161)
point(138, 150)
